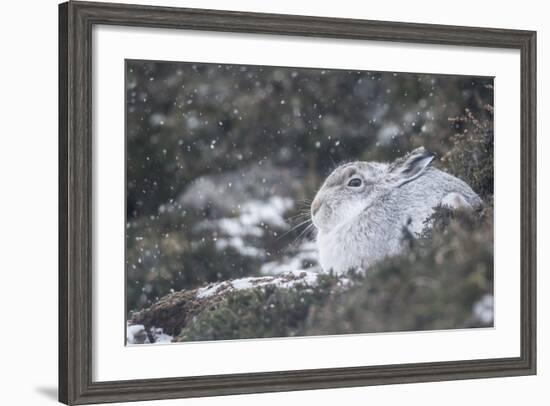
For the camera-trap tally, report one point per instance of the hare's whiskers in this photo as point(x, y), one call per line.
point(298, 215)
point(298, 219)
point(302, 234)
point(294, 228)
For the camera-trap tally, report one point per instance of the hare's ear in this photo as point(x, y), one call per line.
point(410, 167)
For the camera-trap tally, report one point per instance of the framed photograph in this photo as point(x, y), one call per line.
point(258, 202)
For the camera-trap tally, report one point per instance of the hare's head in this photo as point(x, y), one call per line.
point(353, 187)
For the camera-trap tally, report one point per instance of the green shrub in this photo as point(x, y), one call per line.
point(471, 157)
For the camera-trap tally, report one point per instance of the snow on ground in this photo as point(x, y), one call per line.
point(483, 309)
point(252, 219)
point(136, 334)
point(160, 337)
point(283, 280)
point(269, 212)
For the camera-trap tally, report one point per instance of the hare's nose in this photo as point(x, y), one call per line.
point(315, 206)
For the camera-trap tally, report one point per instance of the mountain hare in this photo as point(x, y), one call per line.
point(362, 207)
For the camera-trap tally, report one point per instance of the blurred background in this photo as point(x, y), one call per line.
point(223, 160)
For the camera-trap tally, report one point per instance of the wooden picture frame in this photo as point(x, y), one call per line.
point(76, 20)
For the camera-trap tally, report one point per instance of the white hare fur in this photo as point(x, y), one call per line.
point(362, 208)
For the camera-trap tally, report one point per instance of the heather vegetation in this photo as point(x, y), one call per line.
point(222, 162)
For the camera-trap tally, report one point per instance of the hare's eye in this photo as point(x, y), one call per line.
point(355, 182)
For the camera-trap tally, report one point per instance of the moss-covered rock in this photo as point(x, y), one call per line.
point(268, 311)
point(185, 309)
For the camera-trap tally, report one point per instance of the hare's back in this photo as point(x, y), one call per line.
point(434, 185)
point(416, 200)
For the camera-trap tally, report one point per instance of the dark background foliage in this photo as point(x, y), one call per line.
point(205, 140)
